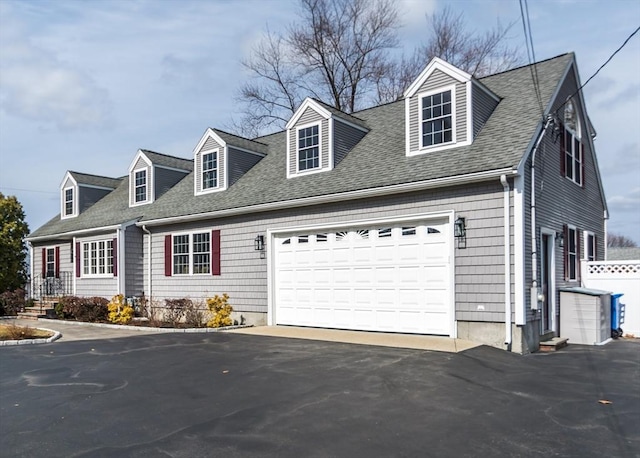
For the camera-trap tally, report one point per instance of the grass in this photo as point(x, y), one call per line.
point(13, 332)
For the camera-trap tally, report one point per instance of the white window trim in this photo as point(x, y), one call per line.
point(84, 246)
point(585, 249)
point(421, 96)
point(149, 179)
point(74, 201)
point(190, 234)
point(574, 161)
point(297, 130)
point(219, 157)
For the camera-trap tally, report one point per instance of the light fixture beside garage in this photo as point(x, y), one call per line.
point(460, 232)
point(258, 243)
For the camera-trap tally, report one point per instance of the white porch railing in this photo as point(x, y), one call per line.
point(617, 277)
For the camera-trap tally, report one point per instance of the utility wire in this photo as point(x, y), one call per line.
point(528, 38)
point(29, 190)
point(600, 68)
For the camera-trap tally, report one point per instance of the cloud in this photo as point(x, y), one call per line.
point(629, 201)
point(36, 85)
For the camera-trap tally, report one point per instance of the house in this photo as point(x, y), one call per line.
point(458, 210)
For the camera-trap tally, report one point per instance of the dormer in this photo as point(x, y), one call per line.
point(152, 174)
point(445, 107)
point(79, 191)
point(221, 158)
point(319, 137)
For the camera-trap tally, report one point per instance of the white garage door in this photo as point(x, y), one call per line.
point(379, 278)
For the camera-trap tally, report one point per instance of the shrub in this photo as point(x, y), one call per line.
point(194, 315)
point(11, 302)
point(219, 306)
point(119, 311)
point(89, 309)
point(175, 310)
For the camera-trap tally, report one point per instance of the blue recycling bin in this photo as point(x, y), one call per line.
point(617, 315)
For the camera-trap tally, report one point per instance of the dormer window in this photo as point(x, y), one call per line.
point(437, 119)
point(308, 148)
point(68, 202)
point(141, 186)
point(210, 170)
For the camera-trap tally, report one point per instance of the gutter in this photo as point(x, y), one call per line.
point(64, 235)
point(339, 197)
point(507, 264)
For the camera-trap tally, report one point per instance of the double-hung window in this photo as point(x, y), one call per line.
point(436, 119)
point(192, 253)
point(210, 170)
point(140, 191)
point(97, 258)
point(573, 256)
point(68, 202)
point(308, 148)
point(589, 246)
point(572, 148)
point(50, 269)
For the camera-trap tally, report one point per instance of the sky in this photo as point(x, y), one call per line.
point(85, 84)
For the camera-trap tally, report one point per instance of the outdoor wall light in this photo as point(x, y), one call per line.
point(560, 239)
point(258, 243)
point(460, 232)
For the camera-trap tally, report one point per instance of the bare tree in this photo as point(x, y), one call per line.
point(340, 52)
point(335, 53)
point(620, 241)
point(478, 54)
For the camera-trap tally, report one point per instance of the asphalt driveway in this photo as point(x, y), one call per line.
point(233, 395)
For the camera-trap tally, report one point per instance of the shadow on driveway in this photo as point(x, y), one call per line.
point(233, 395)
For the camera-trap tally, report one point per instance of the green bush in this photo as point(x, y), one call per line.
point(11, 302)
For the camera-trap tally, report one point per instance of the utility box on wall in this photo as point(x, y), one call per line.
point(585, 315)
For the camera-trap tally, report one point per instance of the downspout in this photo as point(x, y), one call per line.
point(120, 268)
point(76, 259)
point(30, 270)
point(507, 263)
point(535, 294)
point(146, 231)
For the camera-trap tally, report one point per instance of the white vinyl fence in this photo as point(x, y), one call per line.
point(617, 277)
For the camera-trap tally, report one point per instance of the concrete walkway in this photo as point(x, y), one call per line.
point(413, 341)
point(72, 331)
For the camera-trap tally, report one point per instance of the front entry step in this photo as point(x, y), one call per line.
point(553, 344)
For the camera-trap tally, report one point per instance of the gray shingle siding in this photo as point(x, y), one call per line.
point(134, 269)
point(479, 268)
point(345, 137)
point(483, 106)
point(165, 179)
point(239, 163)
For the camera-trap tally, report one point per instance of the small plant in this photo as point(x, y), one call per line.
point(89, 309)
point(175, 310)
point(11, 302)
point(194, 315)
point(219, 306)
point(13, 332)
point(152, 310)
point(119, 311)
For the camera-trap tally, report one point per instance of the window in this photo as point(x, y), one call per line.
point(590, 246)
point(384, 232)
point(68, 202)
point(572, 148)
point(97, 258)
point(408, 231)
point(308, 148)
point(140, 186)
point(51, 262)
point(210, 170)
point(572, 254)
point(192, 254)
point(321, 237)
point(437, 120)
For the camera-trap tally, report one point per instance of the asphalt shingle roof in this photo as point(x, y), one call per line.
point(241, 142)
point(169, 161)
point(95, 180)
point(378, 160)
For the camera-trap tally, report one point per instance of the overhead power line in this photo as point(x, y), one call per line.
point(528, 38)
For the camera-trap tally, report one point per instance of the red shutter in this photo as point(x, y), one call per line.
point(114, 246)
point(215, 252)
point(565, 252)
point(167, 255)
point(57, 261)
point(44, 262)
point(563, 139)
point(78, 259)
